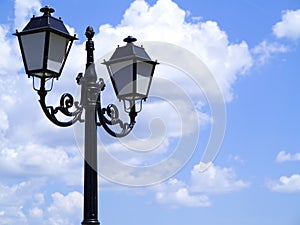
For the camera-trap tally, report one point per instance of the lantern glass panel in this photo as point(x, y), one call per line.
point(57, 52)
point(144, 72)
point(33, 47)
point(122, 75)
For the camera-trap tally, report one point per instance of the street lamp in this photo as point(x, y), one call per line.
point(131, 71)
point(45, 44)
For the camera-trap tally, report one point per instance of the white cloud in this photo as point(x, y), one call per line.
point(35, 160)
point(236, 158)
point(176, 193)
point(65, 209)
point(282, 156)
point(141, 10)
point(22, 203)
point(8, 47)
point(289, 26)
point(285, 184)
point(165, 21)
point(4, 124)
point(14, 198)
point(25, 9)
point(215, 180)
point(36, 213)
point(39, 198)
point(265, 50)
point(25, 138)
point(195, 192)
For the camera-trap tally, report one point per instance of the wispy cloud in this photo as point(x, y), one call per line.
point(283, 156)
point(264, 51)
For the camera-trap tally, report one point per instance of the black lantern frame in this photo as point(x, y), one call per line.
point(45, 44)
point(131, 70)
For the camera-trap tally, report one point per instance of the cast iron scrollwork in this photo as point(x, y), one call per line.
point(66, 103)
point(107, 116)
point(110, 116)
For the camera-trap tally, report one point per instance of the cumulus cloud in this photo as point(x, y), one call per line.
point(20, 204)
point(204, 38)
point(285, 184)
point(215, 180)
point(13, 198)
point(196, 192)
point(35, 160)
point(24, 9)
point(176, 193)
point(289, 26)
point(65, 209)
point(283, 156)
point(9, 54)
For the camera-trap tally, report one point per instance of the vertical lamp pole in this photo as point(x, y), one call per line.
point(90, 210)
point(45, 44)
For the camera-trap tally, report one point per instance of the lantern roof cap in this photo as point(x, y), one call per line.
point(129, 39)
point(47, 22)
point(129, 51)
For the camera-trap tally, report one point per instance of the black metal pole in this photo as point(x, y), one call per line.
point(91, 91)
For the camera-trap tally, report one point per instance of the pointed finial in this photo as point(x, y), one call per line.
point(89, 33)
point(129, 39)
point(47, 10)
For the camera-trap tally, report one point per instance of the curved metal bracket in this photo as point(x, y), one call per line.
point(66, 103)
point(107, 117)
point(112, 118)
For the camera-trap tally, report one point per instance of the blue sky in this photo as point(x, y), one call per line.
point(251, 49)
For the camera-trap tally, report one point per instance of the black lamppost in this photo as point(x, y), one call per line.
point(45, 44)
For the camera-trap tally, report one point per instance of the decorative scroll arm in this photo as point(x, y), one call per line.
point(113, 118)
point(66, 103)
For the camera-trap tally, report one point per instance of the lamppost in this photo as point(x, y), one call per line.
point(45, 44)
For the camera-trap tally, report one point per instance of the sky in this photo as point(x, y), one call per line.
point(215, 143)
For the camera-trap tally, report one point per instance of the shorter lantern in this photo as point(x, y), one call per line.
point(131, 71)
point(45, 44)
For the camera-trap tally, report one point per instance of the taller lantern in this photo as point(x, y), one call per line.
point(131, 71)
point(45, 44)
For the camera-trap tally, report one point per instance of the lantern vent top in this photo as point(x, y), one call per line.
point(129, 39)
point(47, 10)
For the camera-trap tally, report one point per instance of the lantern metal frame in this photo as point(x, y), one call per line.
point(131, 55)
point(48, 25)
